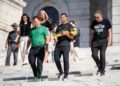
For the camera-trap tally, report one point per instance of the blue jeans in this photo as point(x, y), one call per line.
point(12, 48)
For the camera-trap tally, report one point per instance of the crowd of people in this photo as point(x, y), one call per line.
point(41, 40)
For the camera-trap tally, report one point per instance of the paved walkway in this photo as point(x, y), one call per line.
point(82, 72)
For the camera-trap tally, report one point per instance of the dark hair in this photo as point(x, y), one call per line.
point(64, 14)
point(34, 17)
point(28, 19)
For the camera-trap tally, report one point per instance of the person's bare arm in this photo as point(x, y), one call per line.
point(47, 41)
point(18, 36)
point(46, 49)
point(28, 44)
point(91, 36)
point(70, 36)
point(6, 43)
point(109, 37)
point(66, 33)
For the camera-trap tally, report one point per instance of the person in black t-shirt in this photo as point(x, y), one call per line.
point(12, 43)
point(100, 39)
point(63, 46)
point(25, 26)
point(45, 21)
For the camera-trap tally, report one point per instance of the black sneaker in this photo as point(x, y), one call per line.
point(65, 78)
point(7, 64)
point(60, 75)
point(98, 72)
point(24, 64)
point(14, 64)
point(102, 73)
point(37, 79)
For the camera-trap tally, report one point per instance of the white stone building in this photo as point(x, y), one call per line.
point(81, 11)
point(10, 12)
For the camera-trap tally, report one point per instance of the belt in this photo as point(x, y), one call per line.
point(13, 43)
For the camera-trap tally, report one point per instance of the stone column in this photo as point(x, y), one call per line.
point(80, 13)
point(10, 12)
point(116, 22)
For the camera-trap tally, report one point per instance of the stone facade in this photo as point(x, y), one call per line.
point(77, 10)
point(81, 11)
point(116, 22)
point(10, 11)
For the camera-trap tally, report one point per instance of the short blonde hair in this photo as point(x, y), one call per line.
point(46, 15)
point(98, 12)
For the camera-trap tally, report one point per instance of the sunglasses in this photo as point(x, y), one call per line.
point(97, 17)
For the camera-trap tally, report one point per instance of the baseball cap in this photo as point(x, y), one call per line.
point(14, 25)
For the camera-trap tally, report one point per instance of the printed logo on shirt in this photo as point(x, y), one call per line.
point(99, 28)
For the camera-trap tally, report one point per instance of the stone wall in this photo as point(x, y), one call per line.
point(116, 21)
point(10, 11)
point(80, 13)
point(77, 10)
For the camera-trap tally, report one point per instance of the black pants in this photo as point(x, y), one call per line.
point(57, 55)
point(12, 48)
point(99, 45)
point(36, 57)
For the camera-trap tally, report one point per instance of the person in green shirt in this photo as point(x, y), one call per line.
point(38, 38)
